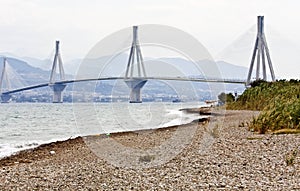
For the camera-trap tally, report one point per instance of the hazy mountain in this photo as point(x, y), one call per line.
point(230, 71)
point(21, 74)
point(45, 64)
point(72, 66)
point(162, 67)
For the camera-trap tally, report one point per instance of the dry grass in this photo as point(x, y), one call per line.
point(254, 138)
point(287, 131)
point(290, 157)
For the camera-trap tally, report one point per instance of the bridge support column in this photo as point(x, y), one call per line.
point(57, 88)
point(134, 83)
point(5, 98)
point(57, 92)
point(261, 48)
point(135, 86)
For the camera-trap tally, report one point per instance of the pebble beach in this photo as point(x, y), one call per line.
point(231, 158)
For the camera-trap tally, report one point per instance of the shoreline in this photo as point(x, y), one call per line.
point(34, 145)
point(32, 154)
point(8, 149)
point(236, 159)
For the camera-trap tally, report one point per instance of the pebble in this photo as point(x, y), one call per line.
point(231, 162)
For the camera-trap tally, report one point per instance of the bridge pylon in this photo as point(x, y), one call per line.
point(54, 85)
point(135, 83)
point(4, 83)
point(261, 48)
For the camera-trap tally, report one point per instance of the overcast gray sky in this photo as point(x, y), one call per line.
point(30, 27)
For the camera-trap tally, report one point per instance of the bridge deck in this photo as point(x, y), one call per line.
point(123, 78)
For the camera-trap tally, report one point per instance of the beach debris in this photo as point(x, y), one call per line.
point(204, 119)
point(205, 111)
point(201, 110)
point(147, 158)
point(52, 152)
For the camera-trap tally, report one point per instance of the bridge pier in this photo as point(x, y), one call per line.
point(135, 86)
point(57, 92)
point(134, 83)
point(261, 49)
point(57, 88)
point(5, 98)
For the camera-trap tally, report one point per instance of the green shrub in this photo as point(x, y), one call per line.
point(279, 103)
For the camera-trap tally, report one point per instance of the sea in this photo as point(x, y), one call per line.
point(28, 125)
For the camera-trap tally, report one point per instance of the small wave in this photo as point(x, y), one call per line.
point(10, 149)
point(15, 135)
point(181, 118)
point(174, 112)
point(19, 146)
point(6, 150)
point(27, 145)
point(16, 117)
point(31, 144)
point(173, 122)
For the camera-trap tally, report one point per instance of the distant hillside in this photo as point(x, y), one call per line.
point(21, 73)
point(117, 66)
point(44, 64)
point(226, 69)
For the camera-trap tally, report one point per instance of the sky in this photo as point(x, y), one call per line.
point(225, 27)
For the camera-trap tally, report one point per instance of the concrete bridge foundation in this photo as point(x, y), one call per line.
point(5, 98)
point(57, 92)
point(135, 86)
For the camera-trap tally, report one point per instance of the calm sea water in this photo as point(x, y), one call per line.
point(24, 126)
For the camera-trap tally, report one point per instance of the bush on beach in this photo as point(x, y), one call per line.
point(279, 103)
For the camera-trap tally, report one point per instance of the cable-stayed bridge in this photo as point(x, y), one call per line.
point(135, 63)
point(233, 81)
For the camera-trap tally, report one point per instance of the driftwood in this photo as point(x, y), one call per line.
point(201, 111)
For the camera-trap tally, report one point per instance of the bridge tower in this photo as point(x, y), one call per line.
point(55, 86)
point(4, 82)
point(135, 83)
point(261, 48)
